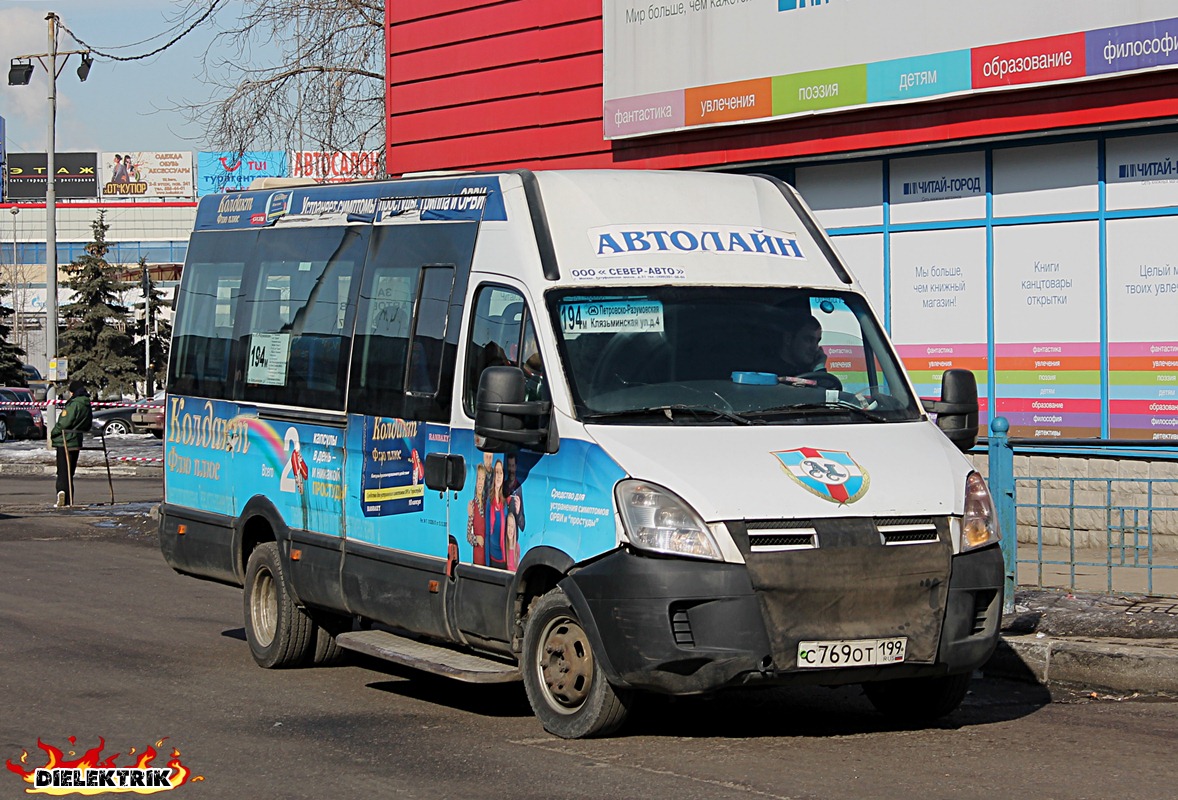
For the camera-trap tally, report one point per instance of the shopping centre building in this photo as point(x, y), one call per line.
point(1002, 177)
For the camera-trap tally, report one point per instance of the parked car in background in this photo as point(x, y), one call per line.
point(150, 419)
point(117, 420)
point(18, 419)
point(35, 381)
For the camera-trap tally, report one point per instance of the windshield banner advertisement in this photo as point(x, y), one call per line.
point(674, 65)
point(141, 174)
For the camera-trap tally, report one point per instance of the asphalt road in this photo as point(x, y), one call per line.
point(98, 638)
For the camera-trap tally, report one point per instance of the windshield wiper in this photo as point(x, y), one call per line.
point(829, 407)
point(699, 412)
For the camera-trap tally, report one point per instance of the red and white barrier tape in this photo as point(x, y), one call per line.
point(92, 405)
point(141, 459)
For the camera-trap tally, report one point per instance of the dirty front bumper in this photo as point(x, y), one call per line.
point(680, 626)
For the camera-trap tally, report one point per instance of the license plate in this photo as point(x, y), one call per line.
point(851, 652)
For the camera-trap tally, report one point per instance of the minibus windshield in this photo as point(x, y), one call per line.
point(702, 355)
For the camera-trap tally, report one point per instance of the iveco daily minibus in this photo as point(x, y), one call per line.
point(607, 432)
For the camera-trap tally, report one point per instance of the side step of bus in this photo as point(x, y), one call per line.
point(443, 661)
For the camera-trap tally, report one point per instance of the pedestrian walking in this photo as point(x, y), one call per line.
point(75, 419)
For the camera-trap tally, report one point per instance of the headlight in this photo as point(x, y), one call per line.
point(657, 520)
point(979, 524)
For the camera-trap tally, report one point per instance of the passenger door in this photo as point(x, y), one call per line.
point(399, 405)
point(489, 519)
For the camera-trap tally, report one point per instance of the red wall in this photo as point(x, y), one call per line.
point(517, 83)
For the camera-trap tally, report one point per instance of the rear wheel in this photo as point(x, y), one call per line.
point(326, 652)
point(918, 699)
point(566, 686)
point(3, 430)
point(280, 634)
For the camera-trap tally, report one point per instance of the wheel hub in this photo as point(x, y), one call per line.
point(566, 664)
point(264, 607)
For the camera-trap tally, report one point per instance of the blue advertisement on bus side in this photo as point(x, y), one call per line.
point(219, 455)
point(394, 466)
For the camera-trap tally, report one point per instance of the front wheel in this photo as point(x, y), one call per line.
point(918, 699)
point(3, 430)
point(280, 634)
point(566, 686)
point(117, 427)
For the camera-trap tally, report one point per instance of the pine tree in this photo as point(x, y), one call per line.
point(95, 339)
point(10, 354)
point(161, 329)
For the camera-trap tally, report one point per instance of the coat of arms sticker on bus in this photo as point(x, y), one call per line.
point(830, 474)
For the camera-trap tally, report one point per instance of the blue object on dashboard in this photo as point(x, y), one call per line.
point(755, 378)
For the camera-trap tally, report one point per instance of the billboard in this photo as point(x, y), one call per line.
point(680, 64)
point(77, 175)
point(130, 173)
point(3, 159)
point(337, 167)
point(227, 171)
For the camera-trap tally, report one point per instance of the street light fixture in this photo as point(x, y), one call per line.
point(19, 74)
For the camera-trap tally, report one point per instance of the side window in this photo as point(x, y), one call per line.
point(300, 317)
point(413, 288)
point(502, 333)
point(206, 310)
point(429, 330)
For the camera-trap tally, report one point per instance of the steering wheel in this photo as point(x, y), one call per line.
point(625, 359)
point(825, 380)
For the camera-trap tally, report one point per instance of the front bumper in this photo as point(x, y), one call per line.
point(679, 626)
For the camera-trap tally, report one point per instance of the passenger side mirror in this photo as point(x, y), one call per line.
point(504, 418)
point(957, 410)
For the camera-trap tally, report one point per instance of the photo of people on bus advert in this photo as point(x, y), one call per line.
point(495, 515)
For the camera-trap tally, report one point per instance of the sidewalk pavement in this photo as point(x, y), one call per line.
point(1126, 644)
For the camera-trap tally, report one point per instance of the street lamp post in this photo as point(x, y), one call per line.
point(17, 275)
point(19, 75)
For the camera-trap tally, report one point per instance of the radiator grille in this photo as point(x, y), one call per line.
point(771, 541)
point(906, 530)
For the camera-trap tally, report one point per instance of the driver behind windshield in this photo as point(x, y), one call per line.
point(800, 352)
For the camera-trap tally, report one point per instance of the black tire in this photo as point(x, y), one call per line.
point(326, 652)
point(280, 634)
point(3, 430)
point(918, 699)
point(117, 427)
point(566, 686)
point(157, 433)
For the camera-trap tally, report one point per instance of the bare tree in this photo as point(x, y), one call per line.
point(326, 90)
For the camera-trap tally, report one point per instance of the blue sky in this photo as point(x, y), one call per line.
point(122, 106)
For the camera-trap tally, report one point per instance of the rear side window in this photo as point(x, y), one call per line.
point(201, 361)
point(299, 317)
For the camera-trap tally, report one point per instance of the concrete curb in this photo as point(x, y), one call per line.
point(1147, 666)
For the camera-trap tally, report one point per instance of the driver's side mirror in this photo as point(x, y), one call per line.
point(505, 420)
point(957, 410)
